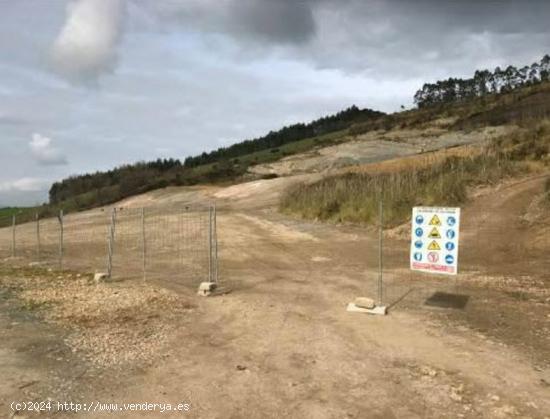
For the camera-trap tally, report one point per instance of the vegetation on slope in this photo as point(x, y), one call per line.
point(286, 135)
point(222, 165)
point(354, 197)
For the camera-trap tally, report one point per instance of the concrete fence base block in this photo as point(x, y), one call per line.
point(100, 277)
point(35, 264)
point(381, 310)
point(206, 288)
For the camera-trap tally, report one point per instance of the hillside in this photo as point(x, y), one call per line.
point(485, 141)
point(222, 165)
point(349, 138)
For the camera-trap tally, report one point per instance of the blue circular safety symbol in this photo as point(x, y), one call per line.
point(418, 256)
point(418, 244)
point(419, 232)
point(419, 219)
point(450, 234)
point(449, 246)
point(451, 221)
point(449, 259)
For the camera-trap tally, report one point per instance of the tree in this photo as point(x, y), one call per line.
point(482, 83)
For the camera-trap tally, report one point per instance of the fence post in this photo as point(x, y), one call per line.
point(13, 222)
point(144, 243)
point(38, 244)
point(61, 234)
point(216, 265)
point(380, 253)
point(210, 279)
point(111, 243)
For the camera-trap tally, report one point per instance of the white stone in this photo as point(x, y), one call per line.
point(365, 302)
point(206, 288)
point(100, 276)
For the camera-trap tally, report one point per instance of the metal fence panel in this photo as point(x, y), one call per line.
point(173, 243)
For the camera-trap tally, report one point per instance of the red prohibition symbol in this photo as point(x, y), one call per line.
point(433, 257)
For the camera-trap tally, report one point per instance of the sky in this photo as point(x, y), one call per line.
point(87, 85)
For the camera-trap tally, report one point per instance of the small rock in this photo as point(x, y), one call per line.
point(532, 405)
point(425, 370)
point(241, 368)
point(100, 276)
point(505, 410)
point(365, 302)
point(456, 397)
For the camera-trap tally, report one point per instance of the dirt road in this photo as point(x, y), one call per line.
point(282, 345)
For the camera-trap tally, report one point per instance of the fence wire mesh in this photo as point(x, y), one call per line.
point(177, 243)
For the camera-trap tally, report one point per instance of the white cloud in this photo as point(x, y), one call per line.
point(44, 153)
point(86, 46)
point(27, 184)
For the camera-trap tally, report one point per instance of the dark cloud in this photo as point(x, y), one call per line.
point(498, 16)
point(380, 38)
point(426, 39)
point(277, 22)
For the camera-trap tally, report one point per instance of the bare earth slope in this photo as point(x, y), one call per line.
point(378, 146)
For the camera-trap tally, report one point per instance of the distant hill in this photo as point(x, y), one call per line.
point(222, 165)
point(503, 97)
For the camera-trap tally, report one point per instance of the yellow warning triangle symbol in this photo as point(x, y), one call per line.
point(434, 246)
point(434, 234)
point(435, 221)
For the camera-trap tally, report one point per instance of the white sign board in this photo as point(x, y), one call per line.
point(434, 240)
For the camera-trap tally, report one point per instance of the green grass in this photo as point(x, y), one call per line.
point(6, 214)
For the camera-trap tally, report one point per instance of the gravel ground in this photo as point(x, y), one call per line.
point(110, 324)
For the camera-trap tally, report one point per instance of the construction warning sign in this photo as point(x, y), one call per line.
point(434, 234)
point(434, 244)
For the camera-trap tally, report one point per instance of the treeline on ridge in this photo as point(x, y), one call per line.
point(482, 83)
point(287, 135)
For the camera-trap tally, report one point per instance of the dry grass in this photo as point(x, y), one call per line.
point(354, 197)
point(439, 179)
point(418, 161)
